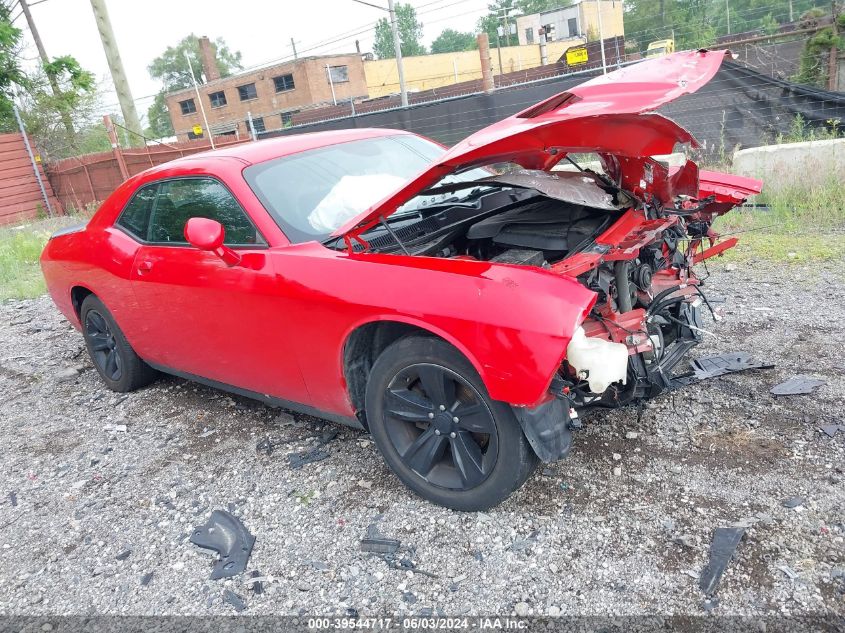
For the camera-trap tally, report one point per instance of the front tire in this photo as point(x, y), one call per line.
point(438, 429)
point(117, 363)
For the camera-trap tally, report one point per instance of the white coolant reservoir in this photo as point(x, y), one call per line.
point(603, 361)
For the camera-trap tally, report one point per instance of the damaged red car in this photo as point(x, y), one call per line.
point(461, 305)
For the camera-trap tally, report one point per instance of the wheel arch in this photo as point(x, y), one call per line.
point(78, 294)
point(367, 340)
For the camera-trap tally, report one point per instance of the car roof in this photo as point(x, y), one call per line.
point(268, 149)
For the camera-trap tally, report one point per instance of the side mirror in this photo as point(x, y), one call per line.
point(209, 235)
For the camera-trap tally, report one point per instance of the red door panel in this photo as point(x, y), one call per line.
point(225, 323)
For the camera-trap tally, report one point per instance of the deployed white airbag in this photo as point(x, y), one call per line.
point(604, 362)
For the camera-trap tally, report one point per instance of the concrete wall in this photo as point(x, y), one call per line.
point(425, 72)
point(807, 164)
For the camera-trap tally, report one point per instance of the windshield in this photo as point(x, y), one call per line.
point(312, 193)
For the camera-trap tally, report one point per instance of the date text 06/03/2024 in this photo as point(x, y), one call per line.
point(418, 623)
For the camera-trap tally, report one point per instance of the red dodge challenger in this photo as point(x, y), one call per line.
point(461, 305)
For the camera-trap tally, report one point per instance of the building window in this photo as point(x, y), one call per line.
point(287, 118)
point(257, 124)
point(529, 35)
point(188, 106)
point(218, 99)
point(283, 83)
point(573, 27)
point(247, 92)
point(338, 74)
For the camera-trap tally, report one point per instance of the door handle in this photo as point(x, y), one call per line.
point(145, 266)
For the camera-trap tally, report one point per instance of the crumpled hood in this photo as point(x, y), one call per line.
point(611, 114)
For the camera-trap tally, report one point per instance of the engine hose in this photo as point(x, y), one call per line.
point(659, 307)
point(623, 287)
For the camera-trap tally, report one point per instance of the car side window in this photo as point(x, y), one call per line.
point(136, 216)
point(179, 200)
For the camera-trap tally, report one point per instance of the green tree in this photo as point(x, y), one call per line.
point(452, 41)
point(43, 110)
point(410, 34)
point(11, 75)
point(172, 69)
point(527, 7)
point(490, 22)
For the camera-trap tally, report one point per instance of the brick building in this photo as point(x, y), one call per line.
point(270, 95)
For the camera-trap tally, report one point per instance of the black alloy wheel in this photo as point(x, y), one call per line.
point(440, 431)
point(113, 357)
point(104, 352)
point(441, 427)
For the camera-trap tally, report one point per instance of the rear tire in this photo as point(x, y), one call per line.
point(112, 355)
point(438, 429)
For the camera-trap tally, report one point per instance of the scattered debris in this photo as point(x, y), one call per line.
point(13, 498)
point(208, 433)
point(377, 545)
point(298, 460)
point(409, 597)
point(146, 578)
point(66, 374)
point(256, 582)
point(788, 571)
point(797, 385)
point(225, 534)
point(265, 446)
point(234, 599)
point(793, 502)
point(832, 429)
point(722, 548)
point(721, 364)
point(123, 555)
point(351, 612)
point(524, 543)
point(685, 540)
point(617, 472)
point(115, 428)
point(631, 435)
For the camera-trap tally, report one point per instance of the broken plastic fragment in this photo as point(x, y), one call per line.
point(722, 548)
point(226, 535)
point(797, 385)
point(793, 502)
point(380, 545)
point(234, 599)
point(721, 364)
point(298, 460)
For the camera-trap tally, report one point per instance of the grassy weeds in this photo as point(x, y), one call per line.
point(20, 274)
point(20, 249)
point(800, 224)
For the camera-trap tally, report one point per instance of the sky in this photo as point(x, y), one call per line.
point(260, 30)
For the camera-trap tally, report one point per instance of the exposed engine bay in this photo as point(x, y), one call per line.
point(632, 241)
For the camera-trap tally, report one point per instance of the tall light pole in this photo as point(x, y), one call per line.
point(121, 84)
point(397, 47)
point(601, 39)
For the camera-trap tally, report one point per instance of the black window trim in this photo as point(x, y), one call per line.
point(255, 88)
point(216, 92)
point(157, 184)
point(292, 80)
point(182, 109)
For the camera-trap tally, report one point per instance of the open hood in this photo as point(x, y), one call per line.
point(611, 114)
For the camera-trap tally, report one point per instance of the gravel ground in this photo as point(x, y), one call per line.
point(96, 521)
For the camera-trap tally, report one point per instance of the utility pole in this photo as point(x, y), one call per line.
point(728, 13)
point(499, 48)
point(601, 39)
point(293, 46)
point(42, 53)
point(202, 106)
point(121, 84)
point(397, 47)
point(832, 64)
